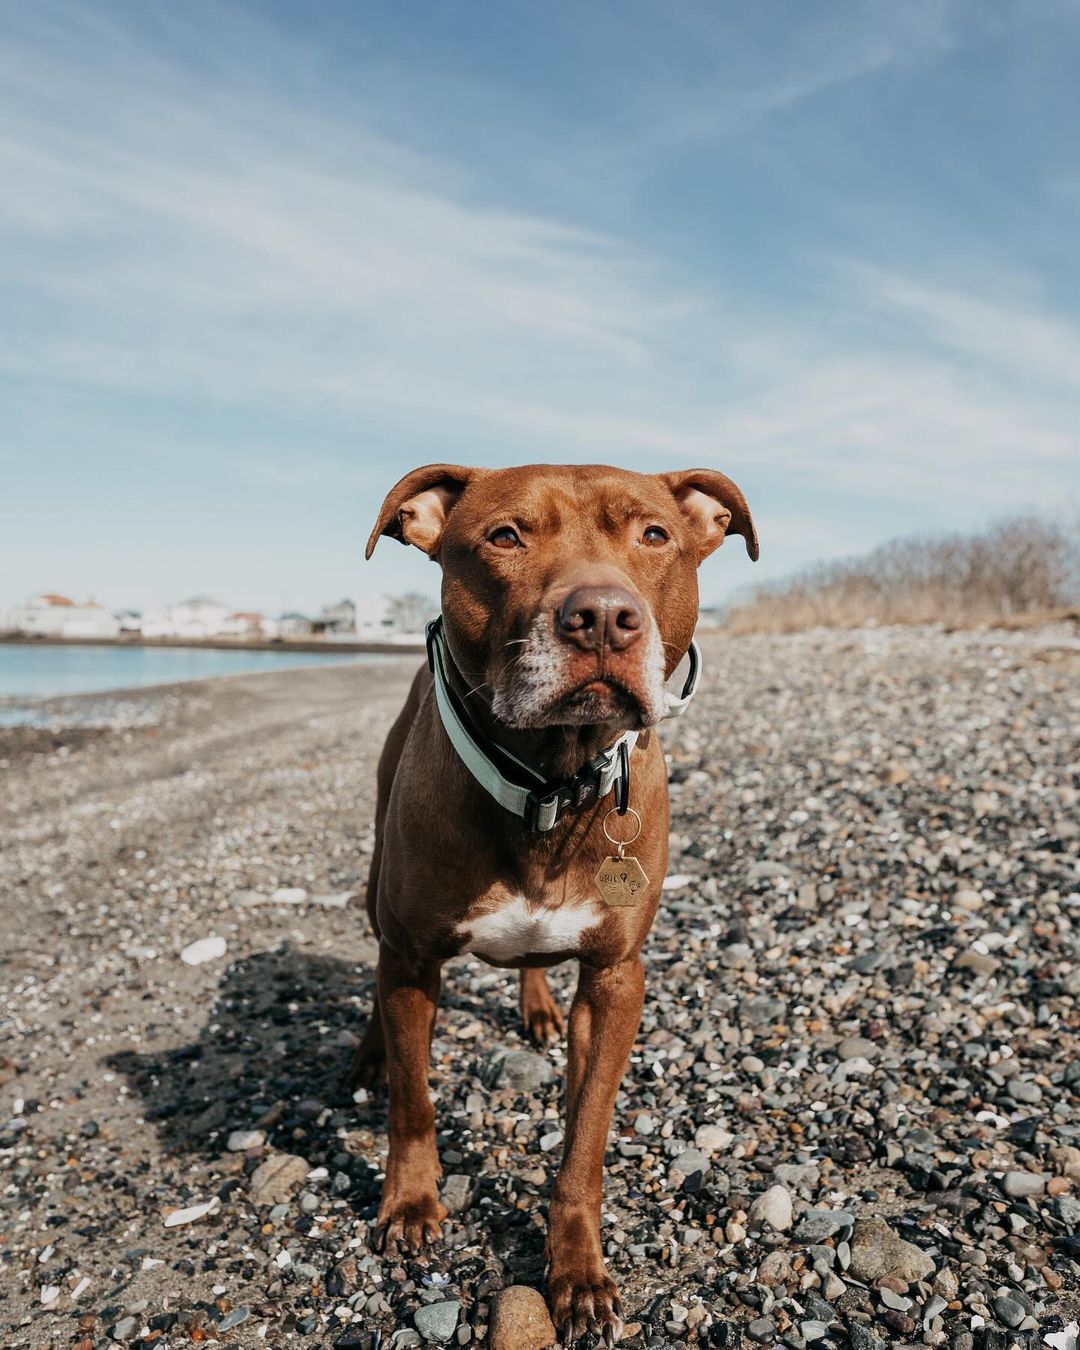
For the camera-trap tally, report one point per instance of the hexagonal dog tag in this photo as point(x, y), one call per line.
point(621, 881)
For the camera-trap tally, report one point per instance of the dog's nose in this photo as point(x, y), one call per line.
point(598, 617)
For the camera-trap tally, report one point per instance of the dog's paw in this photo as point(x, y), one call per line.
point(409, 1224)
point(368, 1067)
point(585, 1299)
point(543, 1019)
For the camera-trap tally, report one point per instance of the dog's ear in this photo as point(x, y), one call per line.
point(415, 511)
point(714, 506)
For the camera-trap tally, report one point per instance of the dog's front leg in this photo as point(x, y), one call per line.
point(410, 1211)
point(604, 1020)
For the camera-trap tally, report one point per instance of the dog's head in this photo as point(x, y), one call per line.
point(569, 591)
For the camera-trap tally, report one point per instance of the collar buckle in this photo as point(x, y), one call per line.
point(547, 804)
point(544, 806)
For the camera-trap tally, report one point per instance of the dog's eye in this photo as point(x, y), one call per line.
point(654, 535)
point(505, 537)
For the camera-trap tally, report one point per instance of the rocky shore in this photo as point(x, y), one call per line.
point(852, 1116)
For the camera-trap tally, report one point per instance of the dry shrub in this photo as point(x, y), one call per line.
point(1024, 565)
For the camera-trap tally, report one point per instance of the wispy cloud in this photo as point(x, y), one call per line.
point(1014, 337)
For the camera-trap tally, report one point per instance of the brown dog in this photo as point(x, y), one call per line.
point(569, 596)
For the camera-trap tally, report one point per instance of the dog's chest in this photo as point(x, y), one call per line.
point(515, 929)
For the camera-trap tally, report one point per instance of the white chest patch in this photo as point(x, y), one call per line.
point(516, 929)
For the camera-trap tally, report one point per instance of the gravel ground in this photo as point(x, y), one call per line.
point(852, 1116)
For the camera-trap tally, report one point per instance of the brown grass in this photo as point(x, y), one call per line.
point(1012, 573)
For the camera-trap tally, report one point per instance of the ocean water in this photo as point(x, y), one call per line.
point(30, 671)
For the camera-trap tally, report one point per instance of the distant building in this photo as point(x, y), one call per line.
point(199, 617)
point(91, 621)
point(52, 615)
point(287, 627)
point(377, 618)
point(243, 624)
point(336, 620)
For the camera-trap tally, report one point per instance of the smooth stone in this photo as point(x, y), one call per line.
point(857, 1047)
point(520, 1069)
point(1068, 1211)
point(816, 1225)
point(690, 1163)
point(206, 949)
point(457, 1192)
point(274, 1181)
point(1008, 1310)
point(438, 1321)
point(289, 895)
point(773, 1207)
point(893, 1300)
point(234, 1319)
point(713, 1138)
point(878, 1253)
point(240, 1140)
point(520, 1320)
point(1017, 1185)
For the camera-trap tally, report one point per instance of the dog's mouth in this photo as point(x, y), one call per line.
point(600, 698)
point(548, 684)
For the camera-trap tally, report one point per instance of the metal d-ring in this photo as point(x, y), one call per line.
point(622, 843)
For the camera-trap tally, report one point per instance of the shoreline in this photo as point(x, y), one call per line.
point(89, 706)
point(221, 644)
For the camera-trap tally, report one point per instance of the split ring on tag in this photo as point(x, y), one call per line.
point(621, 880)
point(622, 843)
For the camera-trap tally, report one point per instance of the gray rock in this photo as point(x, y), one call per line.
point(878, 1253)
point(797, 1176)
point(1008, 1310)
point(894, 1300)
point(240, 1140)
point(1068, 1211)
point(274, 1181)
point(863, 1339)
point(437, 1322)
point(713, 1139)
point(766, 871)
point(816, 1225)
point(857, 1047)
point(690, 1167)
point(761, 1330)
point(457, 1192)
point(1017, 1185)
point(935, 1305)
point(234, 1318)
point(522, 1070)
point(773, 1207)
point(126, 1329)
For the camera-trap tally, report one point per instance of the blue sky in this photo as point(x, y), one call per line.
point(256, 261)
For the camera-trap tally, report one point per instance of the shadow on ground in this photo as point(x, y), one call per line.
point(275, 1044)
point(271, 1055)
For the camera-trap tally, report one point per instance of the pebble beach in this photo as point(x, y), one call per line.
point(851, 1117)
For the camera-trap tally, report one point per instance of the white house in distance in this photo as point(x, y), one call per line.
point(377, 618)
point(52, 615)
point(199, 617)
